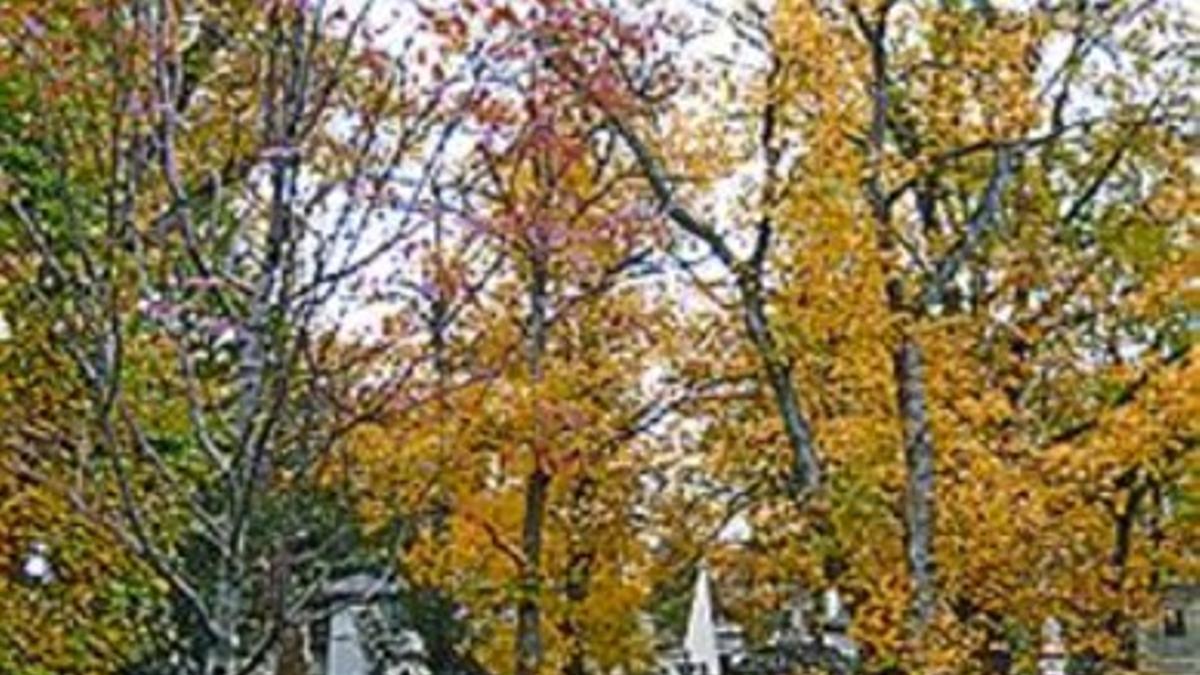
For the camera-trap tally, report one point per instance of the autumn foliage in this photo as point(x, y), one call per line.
point(534, 305)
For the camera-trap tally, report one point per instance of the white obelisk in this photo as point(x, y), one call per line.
point(700, 644)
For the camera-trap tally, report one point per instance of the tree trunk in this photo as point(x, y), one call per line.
point(222, 653)
point(578, 581)
point(805, 469)
point(294, 657)
point(529, 615)
point(1119, 624)
point(919, 488)
point(529, 619)
point(907, 357)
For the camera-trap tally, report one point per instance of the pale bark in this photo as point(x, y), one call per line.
point(907, 356)
point(920, 496)
point(266, 305)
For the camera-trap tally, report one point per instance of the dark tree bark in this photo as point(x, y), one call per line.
point(537, 485)
point(806, 466)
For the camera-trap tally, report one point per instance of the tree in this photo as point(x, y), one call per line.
point(189, 298)
point(538, 380)
point(549, 300)
point(909, 115)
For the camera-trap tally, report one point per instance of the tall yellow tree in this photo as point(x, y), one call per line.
point(915, 163)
